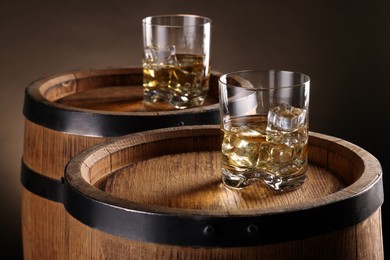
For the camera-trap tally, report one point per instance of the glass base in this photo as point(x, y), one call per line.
point(239, 180)
point(286, 183)
point(161, 100)
point(244, 179)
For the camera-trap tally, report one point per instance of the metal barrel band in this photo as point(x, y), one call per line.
point(41, 185)
point(220, 231)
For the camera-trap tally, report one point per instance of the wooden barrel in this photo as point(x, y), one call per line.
point(158, 195)
point(65, 114)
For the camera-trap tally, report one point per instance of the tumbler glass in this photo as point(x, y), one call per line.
point(264, 122)
point(176, 59)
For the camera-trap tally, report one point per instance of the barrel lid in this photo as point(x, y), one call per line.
point(68, 103)
point(232, 222)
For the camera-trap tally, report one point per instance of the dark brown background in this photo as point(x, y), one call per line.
point(344, 46)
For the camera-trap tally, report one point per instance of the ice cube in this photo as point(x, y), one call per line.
point(275, 153)
point(161, 55)
point(241, 153)
point(286, 118)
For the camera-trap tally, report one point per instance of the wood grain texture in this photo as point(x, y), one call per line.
point(44, 225)
point(177, 170)
point(44, 228)
point(121, 99)
point(193, 181)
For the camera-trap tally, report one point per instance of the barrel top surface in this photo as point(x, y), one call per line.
point(107, 103)
point(188, 181)
point(105, 91)
point(177, 184)
point(171, 177)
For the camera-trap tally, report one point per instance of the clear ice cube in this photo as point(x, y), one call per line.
point(286, 118)
point(242, 150)
point(275, 153)
point(161, 55)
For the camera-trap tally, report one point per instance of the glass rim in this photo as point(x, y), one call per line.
point(149, 20)
point(255, 71)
